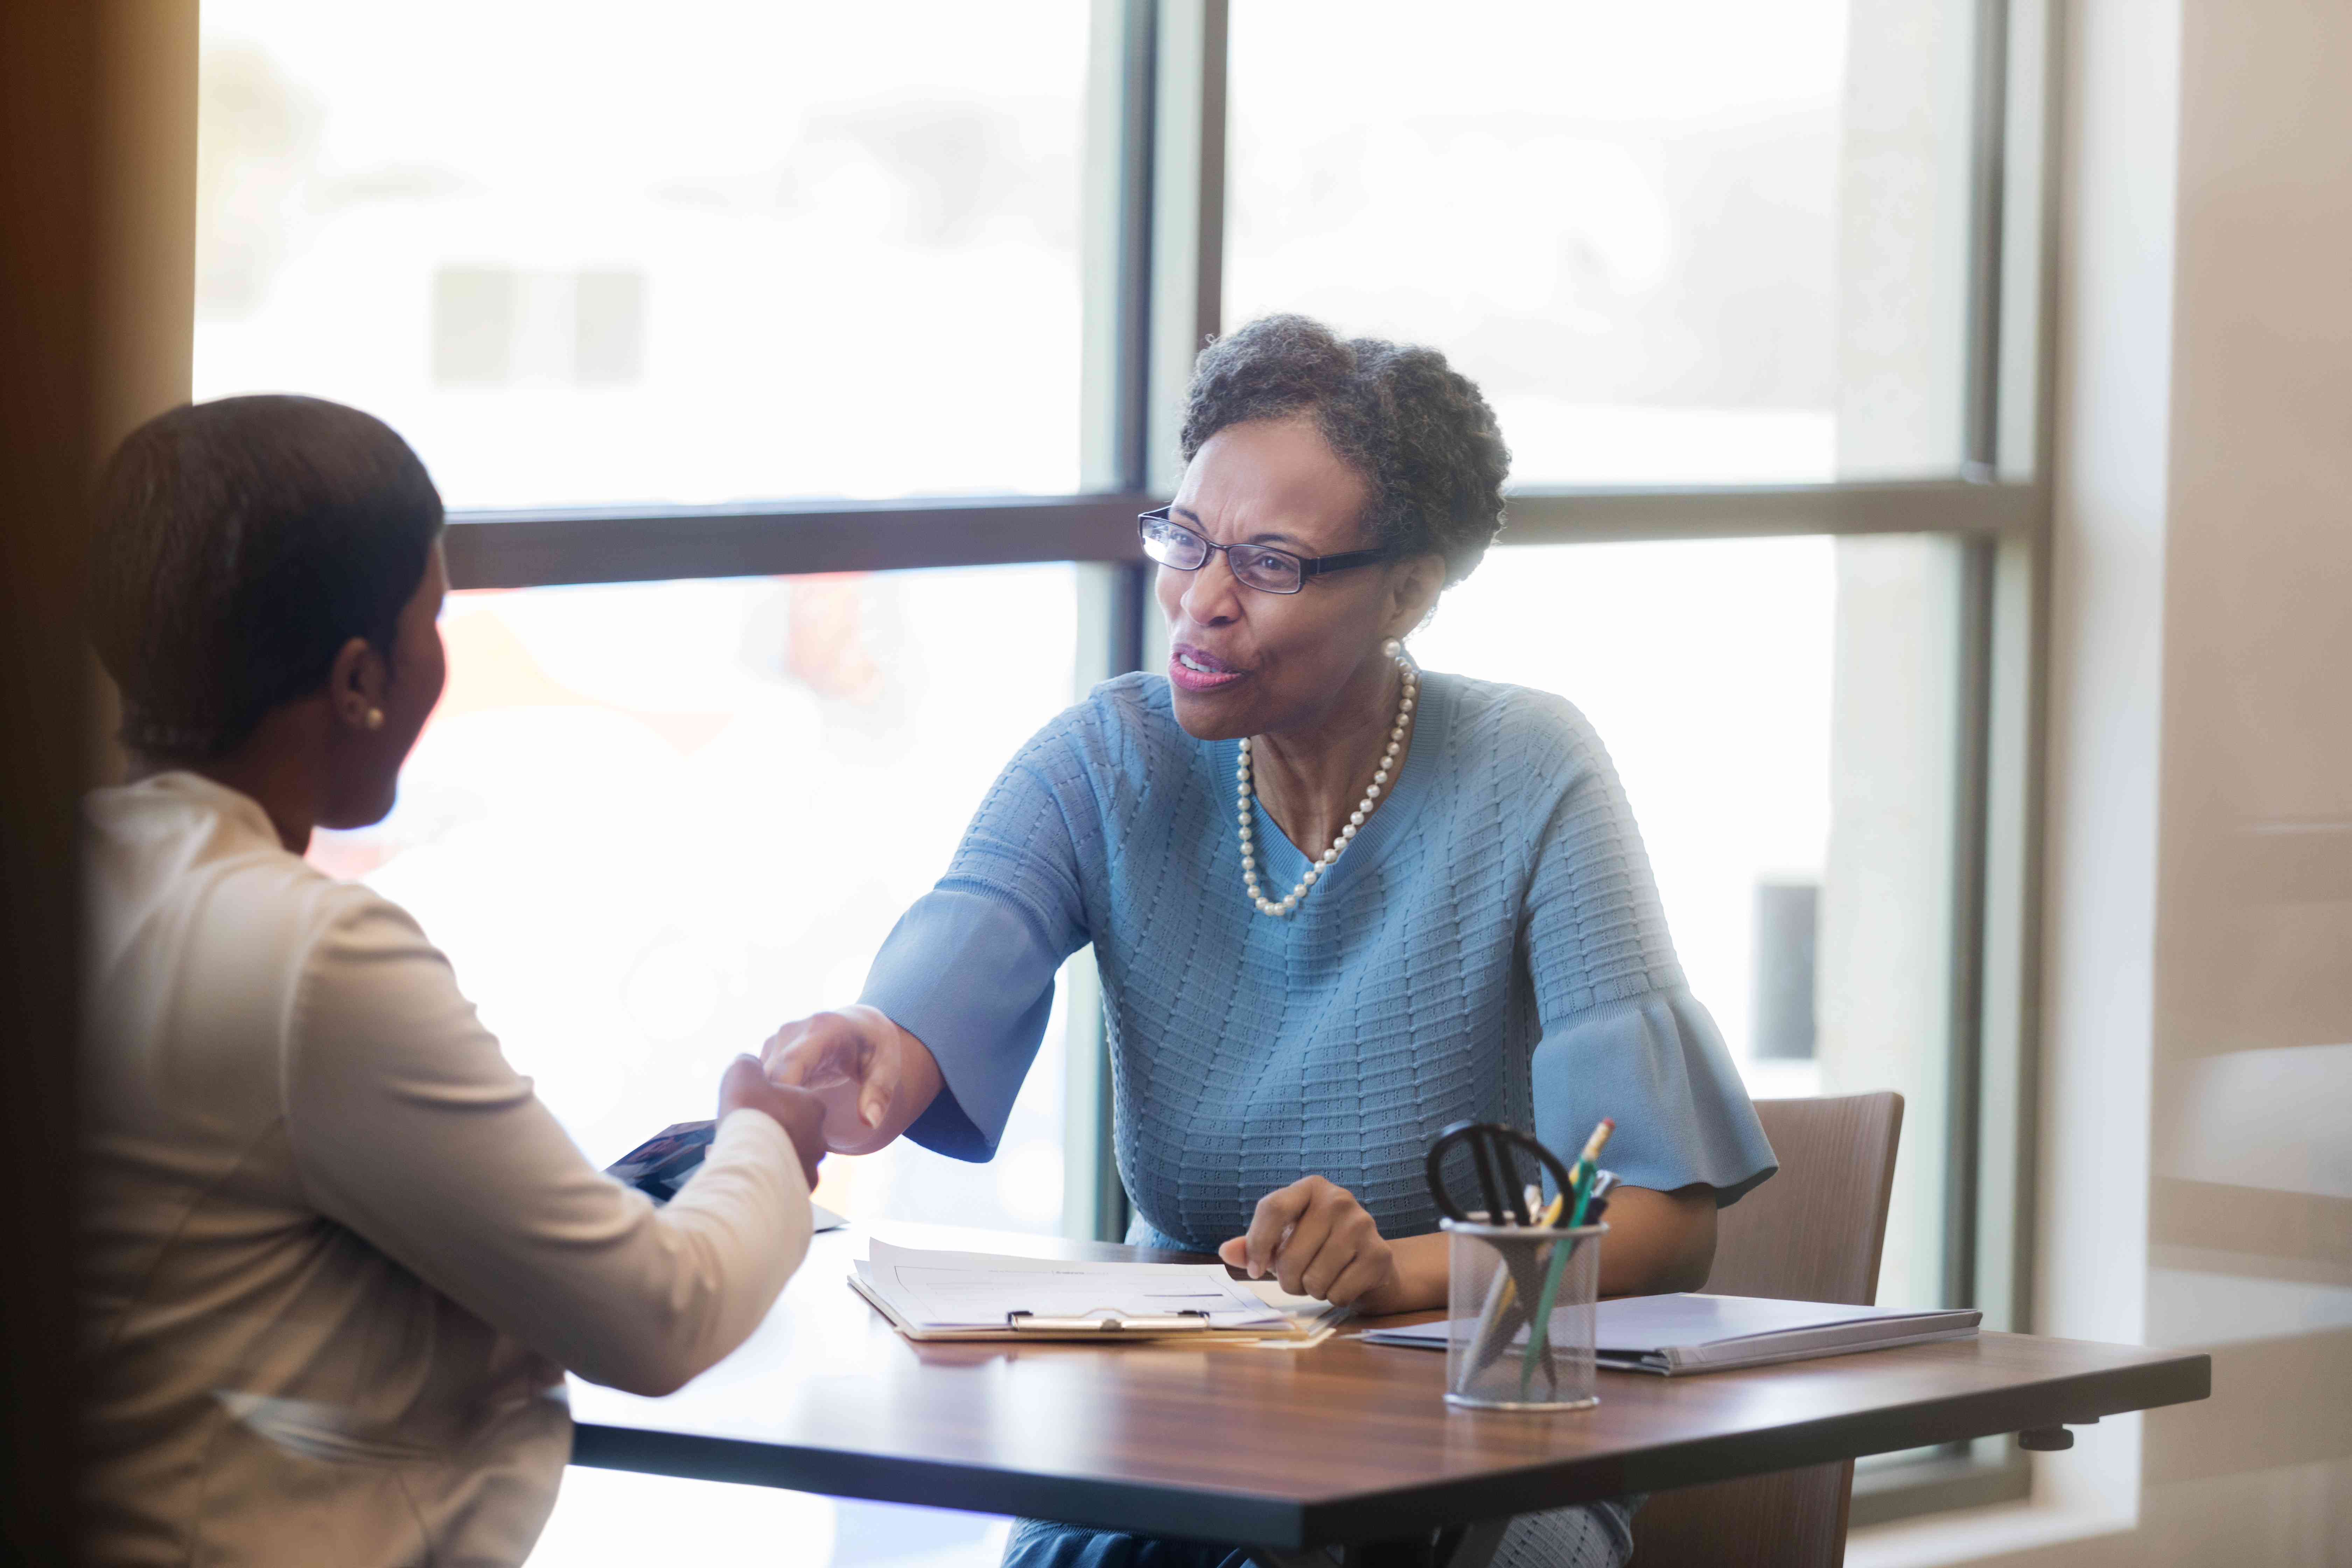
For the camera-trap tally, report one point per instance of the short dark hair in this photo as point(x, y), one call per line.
point(1417, 429)
point(239, 545)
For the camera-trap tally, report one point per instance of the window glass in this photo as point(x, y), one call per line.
point(602, 253)
point(1684, 242)
point(1781, 713)
point(650, 823)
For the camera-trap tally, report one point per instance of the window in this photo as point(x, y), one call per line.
point(1664, 239)
point(775, 357)
point(1706, 668)
point(651, 822)
point(1770, 705)
point(591, 255)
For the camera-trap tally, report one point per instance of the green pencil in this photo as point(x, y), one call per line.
point(1580, 1180)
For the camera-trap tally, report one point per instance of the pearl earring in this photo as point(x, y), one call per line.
point(1391, 648)
point(375, 717)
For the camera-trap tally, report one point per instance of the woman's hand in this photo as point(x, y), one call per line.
point(874, 1076)
point(747, 1087)
point(1316, 1239)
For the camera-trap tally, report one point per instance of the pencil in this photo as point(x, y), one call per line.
point(1540, 1324)
point(1582, 1174)
point(1503, 1294)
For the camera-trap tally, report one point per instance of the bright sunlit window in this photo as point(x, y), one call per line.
point(1704, 668)
point(1776, 708)
point(1675, 244)
point(605, 253)
point(649, 822)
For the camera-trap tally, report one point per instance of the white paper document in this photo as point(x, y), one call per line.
point(928, 1293)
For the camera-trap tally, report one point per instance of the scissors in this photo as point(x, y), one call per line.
point(1494, 1156)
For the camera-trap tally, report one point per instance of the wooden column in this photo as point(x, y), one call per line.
point(97, 177)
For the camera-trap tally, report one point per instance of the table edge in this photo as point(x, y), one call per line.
point(1205, 1512)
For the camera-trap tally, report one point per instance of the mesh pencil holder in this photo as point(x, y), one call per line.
point(1497, 1277)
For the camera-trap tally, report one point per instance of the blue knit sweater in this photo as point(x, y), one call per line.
point(1491, 946)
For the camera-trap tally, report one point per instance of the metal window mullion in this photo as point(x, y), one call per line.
point(1719, 512)
point(1122, 97)
point(1120, 109)
point(1188, 215)
point(1988, 130)
point(1964, 1039)
point(2034, 617)
point(527, 550)
point(1964, 1032)
point(522, 550)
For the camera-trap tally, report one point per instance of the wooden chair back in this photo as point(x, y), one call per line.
point(1812, 1233)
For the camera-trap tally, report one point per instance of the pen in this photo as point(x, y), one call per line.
point(1583, 1179)
point(1484, 1344)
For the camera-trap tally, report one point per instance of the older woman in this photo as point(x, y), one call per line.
point(1336, 903)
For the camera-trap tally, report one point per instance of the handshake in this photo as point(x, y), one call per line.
point(847, 1081)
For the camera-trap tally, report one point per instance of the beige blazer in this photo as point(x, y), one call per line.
point(339, 1256)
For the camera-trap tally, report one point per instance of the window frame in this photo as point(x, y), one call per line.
point(1153, 243)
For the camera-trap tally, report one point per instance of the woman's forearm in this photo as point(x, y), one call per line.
point(1657, 1242)
point(1420, 1283)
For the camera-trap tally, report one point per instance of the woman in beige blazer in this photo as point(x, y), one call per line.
point(339, 1256)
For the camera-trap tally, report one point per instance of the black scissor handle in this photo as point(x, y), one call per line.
point(1492, 1148)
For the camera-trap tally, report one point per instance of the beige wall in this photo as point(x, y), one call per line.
point(2250, 1210)
point(2197, 1053)
point(1884, 946)
point(82, 216)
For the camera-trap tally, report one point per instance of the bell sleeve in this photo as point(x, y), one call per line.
point(1622, 1036)
point(968, 970)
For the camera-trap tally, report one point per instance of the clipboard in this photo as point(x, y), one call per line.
point(1109, 1328)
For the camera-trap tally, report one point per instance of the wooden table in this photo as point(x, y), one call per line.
point(1288, 1450)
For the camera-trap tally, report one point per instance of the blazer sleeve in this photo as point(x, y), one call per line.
point(409, 1127)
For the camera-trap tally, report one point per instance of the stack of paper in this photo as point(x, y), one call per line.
point(1690, 1333)
point(986, 1296)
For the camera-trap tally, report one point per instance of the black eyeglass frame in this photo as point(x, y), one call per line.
point(1309, 565)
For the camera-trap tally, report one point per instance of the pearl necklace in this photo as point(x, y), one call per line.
point(1246, 798)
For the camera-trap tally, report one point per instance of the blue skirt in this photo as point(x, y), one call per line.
point(1598, 1536)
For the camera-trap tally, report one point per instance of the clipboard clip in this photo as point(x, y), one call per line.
point(1108, 1321)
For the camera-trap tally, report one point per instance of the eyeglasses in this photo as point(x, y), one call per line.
point(1259, 566)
